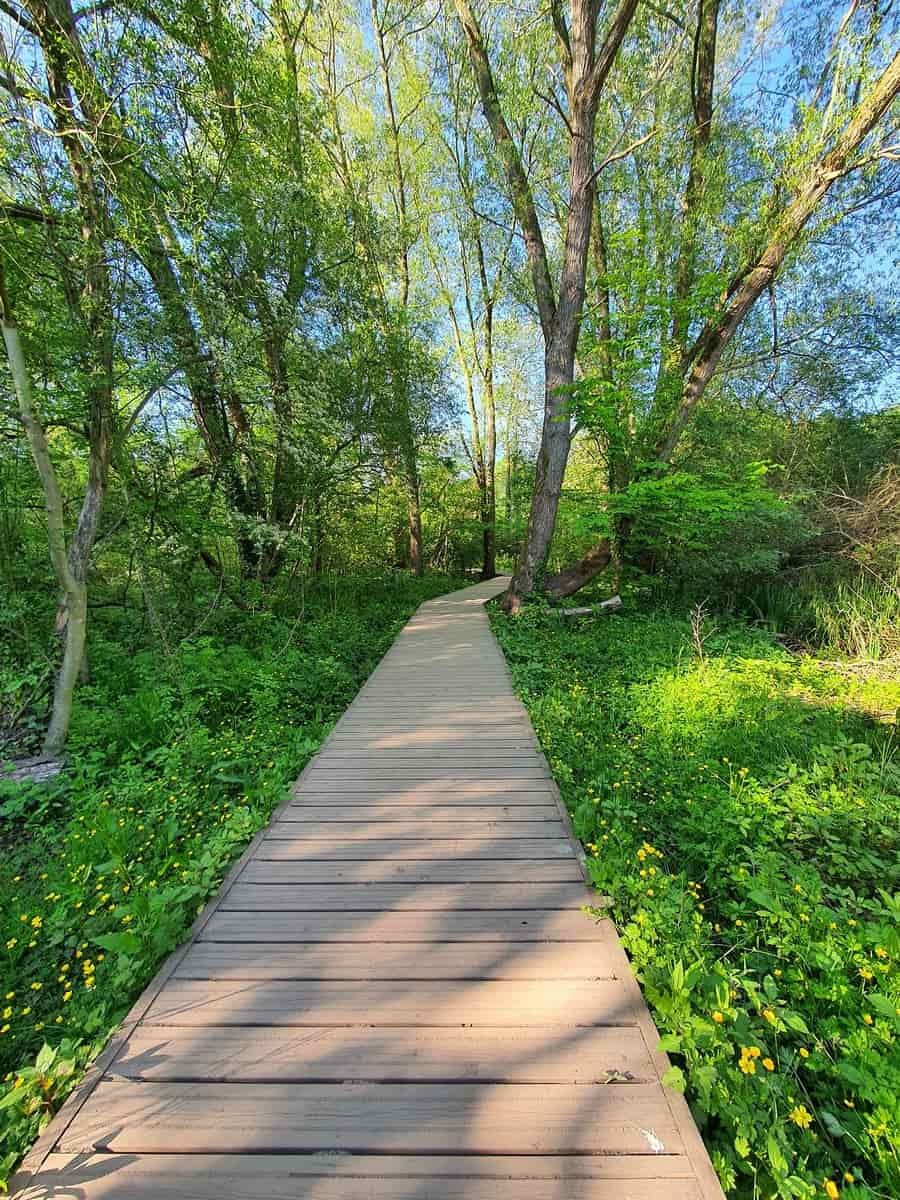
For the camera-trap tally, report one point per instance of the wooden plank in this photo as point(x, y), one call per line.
point(410, 732)
point(561, 870)
point(496, 925)
point(190, 1002)
point(378, 717)
point(281, 844)
point(412, 775)
point(361, 1118)
point(461, 790)
point(347, 1177)
point(333, 898)
point(323, 1055)
point(541, 796)
point(430, 815)
point(360, 830)
point(397, 961)
point(438, 1177)
point(498, 709)
point(447, 761)
point(416, 741)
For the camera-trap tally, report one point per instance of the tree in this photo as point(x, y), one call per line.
point(469, 256)
point(688, 364)
point(72, 586)
point(585, 68)
point(88, 293)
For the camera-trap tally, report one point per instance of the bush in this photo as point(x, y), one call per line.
point(741, 810)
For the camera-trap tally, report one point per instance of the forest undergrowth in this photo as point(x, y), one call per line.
point(740, 807)
point(177, 757)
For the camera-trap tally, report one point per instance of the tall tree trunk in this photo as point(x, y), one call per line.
point(401, 384)
point(91, 305)
point(73, 587)
point(585, 68)
point(703, 71)
point(414, 511)
point(489, 515)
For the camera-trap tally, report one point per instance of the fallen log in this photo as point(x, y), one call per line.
point(38, 769)
point(613, 604)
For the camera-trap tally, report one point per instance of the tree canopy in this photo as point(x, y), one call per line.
point(295, 288)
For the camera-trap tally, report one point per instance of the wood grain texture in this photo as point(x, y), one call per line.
point(362, 831)
point(439, 927)
point(386, 1054)
point(360, 1118)
point(418, 798)
point(350, 1177)
point(394, 898)
point(398, 961)
point(191, 1002)
point(282, 843)
point(429, 817)
point(560, 870)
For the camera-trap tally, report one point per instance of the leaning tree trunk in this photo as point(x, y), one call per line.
point(553, 455)
point(754, 277)
point(74, 590)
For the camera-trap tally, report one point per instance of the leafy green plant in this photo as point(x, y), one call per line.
point(740, 809)
point(29, 1100)
point(176, 759)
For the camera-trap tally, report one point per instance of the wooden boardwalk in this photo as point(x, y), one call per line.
point(395, 995)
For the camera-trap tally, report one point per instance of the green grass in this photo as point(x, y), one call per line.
point(177, 758)
point(857, 614)
point(740, 808)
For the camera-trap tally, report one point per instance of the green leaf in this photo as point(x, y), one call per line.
point(45, 1058)
point(119, 943)
point(776, 1155)
point(795, 1021)
point(670, 1043)
point(832, 1124)
point(674, 1079)
point(764, 900)
point(852, 1074)
point(884, 1006)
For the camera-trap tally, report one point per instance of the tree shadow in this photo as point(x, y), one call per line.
point(441, 1040)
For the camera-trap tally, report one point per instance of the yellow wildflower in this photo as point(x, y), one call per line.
point(801, 1116)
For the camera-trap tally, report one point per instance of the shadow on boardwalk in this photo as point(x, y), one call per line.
point(396, 994)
